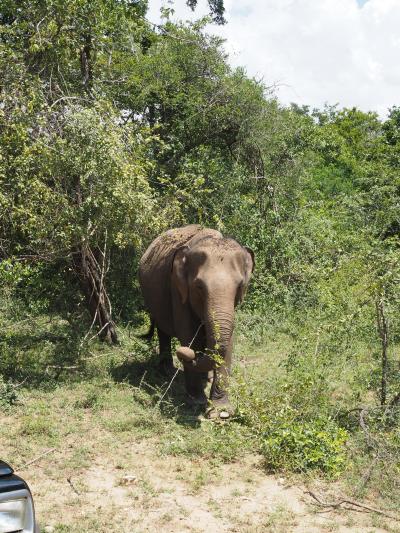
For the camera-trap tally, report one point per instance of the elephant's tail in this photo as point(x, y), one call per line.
point(149, 335)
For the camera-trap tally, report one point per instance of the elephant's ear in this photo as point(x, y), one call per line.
point(250, 261)
point(249, 267)
point(179, 276)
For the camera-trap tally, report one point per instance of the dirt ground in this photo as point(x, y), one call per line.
point(170, 494)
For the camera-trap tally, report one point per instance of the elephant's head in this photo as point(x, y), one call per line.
point(212, 276)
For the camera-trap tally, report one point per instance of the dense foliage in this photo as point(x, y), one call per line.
point(112, 130)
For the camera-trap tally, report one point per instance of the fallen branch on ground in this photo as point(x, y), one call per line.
point(59, 368)
point(359, 506)
point(51, 450)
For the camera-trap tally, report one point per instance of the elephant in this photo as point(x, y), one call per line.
point(192, 278)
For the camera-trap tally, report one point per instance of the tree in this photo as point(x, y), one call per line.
point(217, 9)
point(73, 174)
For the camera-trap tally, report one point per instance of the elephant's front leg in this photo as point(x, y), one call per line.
point(194, 380)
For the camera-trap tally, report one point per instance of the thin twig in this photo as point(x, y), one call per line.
point(17, 385)
point(69, 98)
point(51, 450)
point(195, 335)
point(91, 326)
point(73, 486)
point(167, 389)
point(100, 330)
point(141, 381)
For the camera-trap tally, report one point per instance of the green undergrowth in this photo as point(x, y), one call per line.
point(294, 406)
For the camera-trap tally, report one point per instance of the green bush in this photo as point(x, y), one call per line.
point(293, 431)
point(8, 393)
point(300, 446)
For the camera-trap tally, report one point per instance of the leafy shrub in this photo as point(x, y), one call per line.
point(291, 434)
point(8, 393)
point(300, 446)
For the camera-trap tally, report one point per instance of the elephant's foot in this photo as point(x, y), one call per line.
point(220, 409)
point(167, 369)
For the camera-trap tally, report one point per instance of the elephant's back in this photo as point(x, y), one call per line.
point(155, 272)
point(163, 248)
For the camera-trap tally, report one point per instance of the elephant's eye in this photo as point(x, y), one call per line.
point(199, 285)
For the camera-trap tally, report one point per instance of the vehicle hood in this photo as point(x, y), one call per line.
point(5, 469)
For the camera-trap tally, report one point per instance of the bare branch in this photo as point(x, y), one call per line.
point(47, 452)
point(354, 506)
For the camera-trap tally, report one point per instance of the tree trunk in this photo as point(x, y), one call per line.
point(382, 324)
point(86, 62)
point(90, 267)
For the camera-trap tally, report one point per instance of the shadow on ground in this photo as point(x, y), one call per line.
point(170, 394)
point(39, 352)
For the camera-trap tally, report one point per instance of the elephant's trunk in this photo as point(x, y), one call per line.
point(219, 330)
point(219, 323)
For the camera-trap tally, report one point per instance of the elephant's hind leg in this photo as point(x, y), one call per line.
point(166, 364)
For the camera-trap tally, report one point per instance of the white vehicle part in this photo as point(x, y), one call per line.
point(16, 512)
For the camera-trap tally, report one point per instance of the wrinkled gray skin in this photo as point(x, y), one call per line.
point(191, 276)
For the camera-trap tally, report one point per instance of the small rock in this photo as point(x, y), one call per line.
point(128, 480)
point(49, 529)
